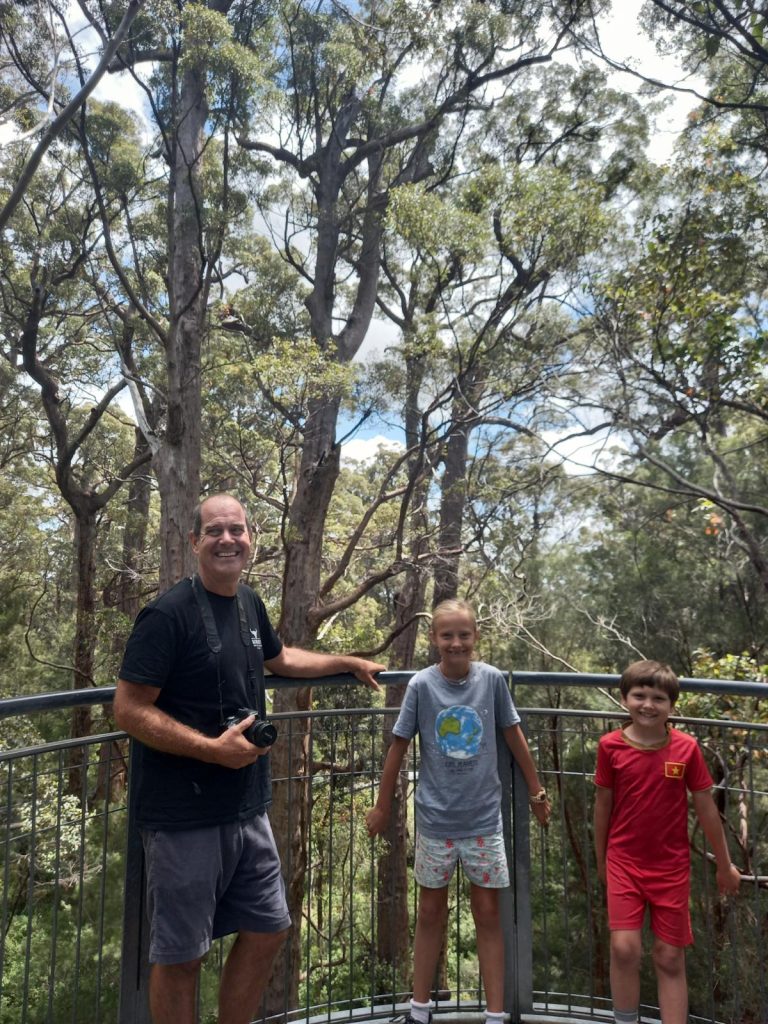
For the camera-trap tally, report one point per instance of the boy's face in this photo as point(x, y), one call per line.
point(648, 707)
point(454, 635)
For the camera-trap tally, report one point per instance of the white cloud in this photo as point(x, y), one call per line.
point(123, 89)
point(365, 449)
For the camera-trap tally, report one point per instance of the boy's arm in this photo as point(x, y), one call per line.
point(377, 818)
point(518, 745)
point(728, 877)
point(603, 808)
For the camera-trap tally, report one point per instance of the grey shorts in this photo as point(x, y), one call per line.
point(483, 859)
point(203, 883)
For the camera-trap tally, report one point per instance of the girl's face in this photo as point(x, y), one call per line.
point(454, 634)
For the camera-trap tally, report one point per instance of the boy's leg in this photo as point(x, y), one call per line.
point(428, 940)
point(490, 944)
point(669, 963)
point(671, 927)
point(626, 954)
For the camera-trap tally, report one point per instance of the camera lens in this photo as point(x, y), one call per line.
point(262, 734)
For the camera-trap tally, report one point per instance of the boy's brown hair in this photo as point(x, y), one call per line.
point(650, 673)
point(452, 606)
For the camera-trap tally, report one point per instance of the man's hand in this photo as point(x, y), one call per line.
point(602, 873)
point(233, 750)
point(376, 821)
point(728, 879)
point(365, 671)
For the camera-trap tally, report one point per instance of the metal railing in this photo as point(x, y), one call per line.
point(71, 918)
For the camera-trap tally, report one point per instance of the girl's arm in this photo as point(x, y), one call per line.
point(518, 745)
point(377, 818)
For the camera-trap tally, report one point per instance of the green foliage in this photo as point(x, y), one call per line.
point(210, 47)
point(431, 222)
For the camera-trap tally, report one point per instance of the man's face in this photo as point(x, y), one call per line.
point(224, 545)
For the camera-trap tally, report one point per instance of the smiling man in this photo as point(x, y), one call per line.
point(192, 673)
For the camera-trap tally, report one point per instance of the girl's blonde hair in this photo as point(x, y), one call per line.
point(453, 606)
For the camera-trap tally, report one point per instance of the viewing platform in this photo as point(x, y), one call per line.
point(72, 927)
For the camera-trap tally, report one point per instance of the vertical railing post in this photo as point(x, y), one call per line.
point(134, 967)
point(515, 902)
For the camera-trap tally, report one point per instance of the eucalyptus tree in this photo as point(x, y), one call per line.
point(53, 335)
point(346, 129)
point(721, 44)
point(190, 66)
point(487, 263)
point(19, 30)
point(681, 331)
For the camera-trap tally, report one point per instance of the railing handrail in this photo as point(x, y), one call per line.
point(28, 704)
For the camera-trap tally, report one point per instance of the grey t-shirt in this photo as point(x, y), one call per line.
point(459, 791)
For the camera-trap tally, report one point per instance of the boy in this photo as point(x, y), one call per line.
point(456, 707)
point(644, 772)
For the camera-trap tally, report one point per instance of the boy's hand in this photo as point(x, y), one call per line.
point(376, 821)
point(543, 812)
point(728, 879)
point(602, 873)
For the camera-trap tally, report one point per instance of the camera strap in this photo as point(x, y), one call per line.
point(249, 637)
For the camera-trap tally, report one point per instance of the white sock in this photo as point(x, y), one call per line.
point(625, 1016)
point(495, 1018)
point(420, 1011)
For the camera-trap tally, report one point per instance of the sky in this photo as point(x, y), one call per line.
point(624, 42)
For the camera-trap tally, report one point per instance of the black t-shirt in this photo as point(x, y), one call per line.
point(168, 648)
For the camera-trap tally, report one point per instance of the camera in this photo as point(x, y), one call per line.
point(261, 733)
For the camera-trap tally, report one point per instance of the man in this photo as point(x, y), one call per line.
point(204, 787)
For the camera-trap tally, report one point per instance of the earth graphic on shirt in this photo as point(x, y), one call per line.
point(458, 731)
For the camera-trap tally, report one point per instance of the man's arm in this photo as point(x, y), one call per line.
point(518, 745)
point(297, 663)
point(377, 818)
point(603, 807)
point(728, 877)
point(137, 714)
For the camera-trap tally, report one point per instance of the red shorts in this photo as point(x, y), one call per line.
point(667, 896)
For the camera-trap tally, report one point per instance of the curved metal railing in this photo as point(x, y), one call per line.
point(71, 920)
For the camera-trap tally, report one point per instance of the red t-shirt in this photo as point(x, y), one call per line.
point(649, 817)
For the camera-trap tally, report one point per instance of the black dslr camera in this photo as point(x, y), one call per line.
point(261, 733)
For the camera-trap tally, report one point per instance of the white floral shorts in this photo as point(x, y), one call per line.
point(482, 857)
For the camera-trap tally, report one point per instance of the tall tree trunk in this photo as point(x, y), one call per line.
point(453, 496)
point(318, 473)
point(126, 595)
point(129, 596)
point(125, 591)
point(85, 638)
point(393, 945)
point(177, 459)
